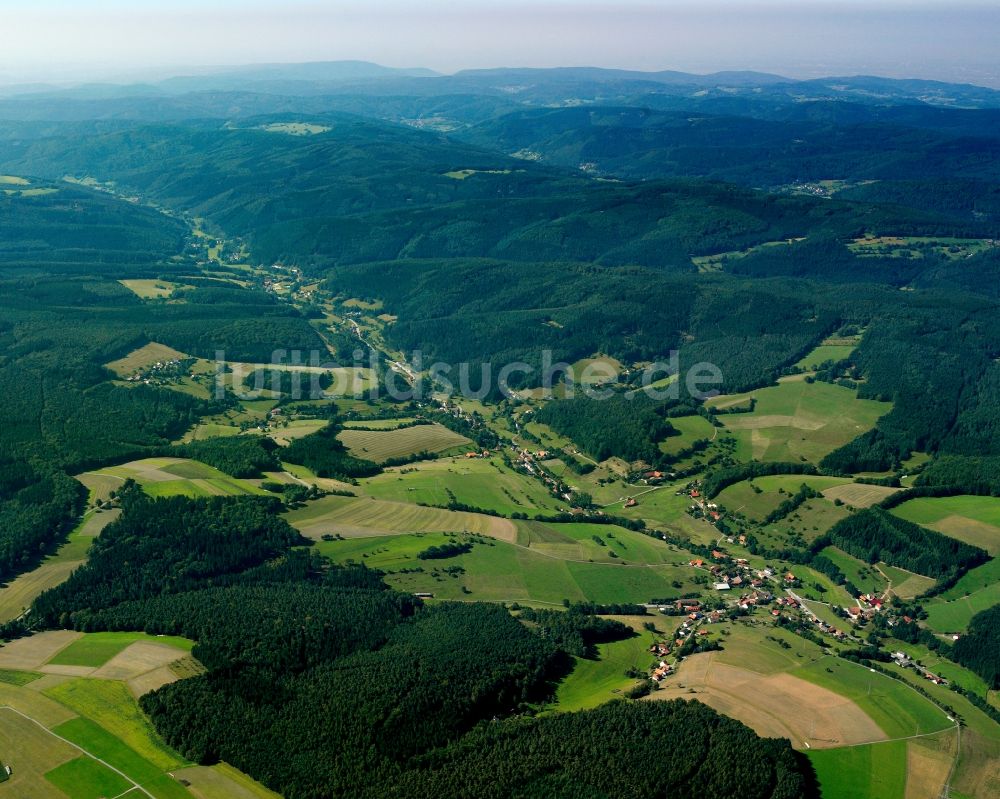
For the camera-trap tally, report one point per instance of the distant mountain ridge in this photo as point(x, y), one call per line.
point(537, 86)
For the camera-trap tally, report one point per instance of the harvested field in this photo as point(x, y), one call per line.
point(18, 594)
point(31, 752)
point(143, 357)
point(359, 517)
point(381, 445)
point(821, 717)
point(859, 495)
point(222, 781)
point(136, 659)
point(928, 762)
point(30, 654)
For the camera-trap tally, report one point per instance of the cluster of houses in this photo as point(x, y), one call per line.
point(700, 507)
point(531, 463)
point(158, 371)
point(903, 660)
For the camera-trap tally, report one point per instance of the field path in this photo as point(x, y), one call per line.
point(104, 763)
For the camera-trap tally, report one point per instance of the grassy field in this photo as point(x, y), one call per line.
point(85, 778)
point(691, 429)
point(19, 593)
point(38, 757)
point(167, 477)
point(99, 742)
point(210, 430)
point(974, 520)
point(596, 370)
point(897, 709)
point(31, 752)
point(96, 649)
point(905, 584)
point(151, 289)
point(145, 356)
point(862, 575)
point(69, 720)
point(296, 128)
point(286, 432)
point(347, 381)
point(796, 420)
point(479, 482)
point(978, 590)
point(222, 781)
point(859, 495)
point(825, 352)
point(771, 492)
point(545, 566)
point(664, 507)
point(381, 445)
point(809, 522)
point(109, 704)
point(948, 669)
point(594, 682)
point(874, 771)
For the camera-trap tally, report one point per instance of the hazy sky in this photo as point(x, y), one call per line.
point(81, 39)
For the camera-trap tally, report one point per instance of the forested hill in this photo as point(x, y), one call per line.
point(56, 227)
point(64, 315)
point(639, 143)
point(359, 190)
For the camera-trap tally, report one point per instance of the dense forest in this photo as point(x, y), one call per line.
point(168, 545)
point(625, 426)
point(239, 456)
point(326, 456)
point(979, 648)
point(875, 535)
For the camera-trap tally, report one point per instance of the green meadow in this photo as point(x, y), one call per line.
point(96, 649)
point(898, 709)
point(796, 420)
point(974, 520)
point(874, 771)
point(546, 572)
point(478, 482)
point(85, 778)
point(770, 492)
point(977, 590)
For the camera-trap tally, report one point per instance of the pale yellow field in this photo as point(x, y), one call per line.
point(381, 445)
point(143, 357)
point(150, 289)
point(774, 705)
point(31, 751)
point(360, 517)
point(222, 781)
point(18, 594)
point(30, 654)
point(859, 495)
